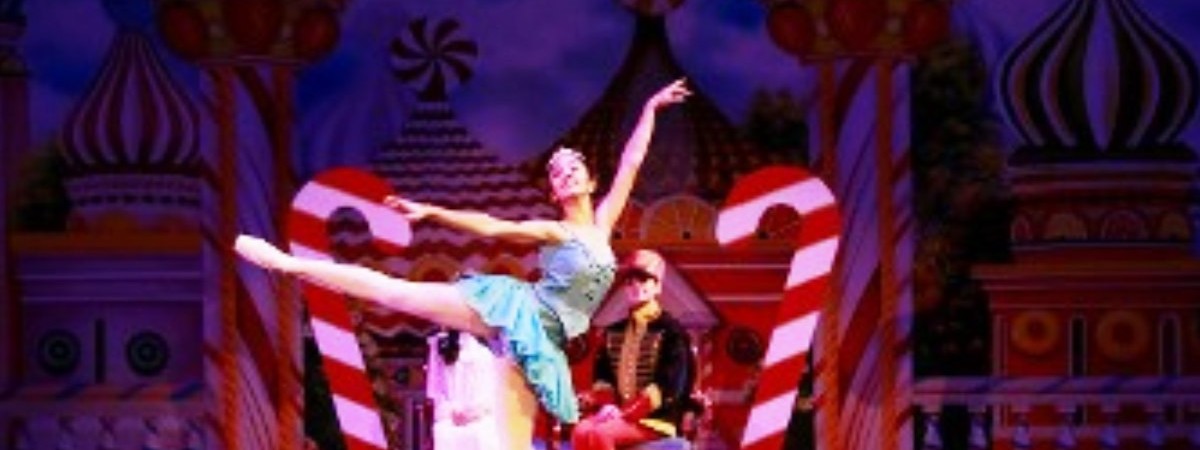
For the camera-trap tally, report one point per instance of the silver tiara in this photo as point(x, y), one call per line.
point(564, 152)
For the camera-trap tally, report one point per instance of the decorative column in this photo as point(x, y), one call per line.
point(250, 51)
point(14, 144)
point(862, 51)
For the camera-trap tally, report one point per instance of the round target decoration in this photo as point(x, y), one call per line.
point(1123, 335)
point(431, 57)
point(147, 353)
point(1036, 332)
point(59, 352)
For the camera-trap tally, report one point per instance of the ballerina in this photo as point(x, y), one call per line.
point(534, 320)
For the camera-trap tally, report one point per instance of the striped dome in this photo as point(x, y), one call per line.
point(1099, 79)
point(132, 142)
point(135, 117)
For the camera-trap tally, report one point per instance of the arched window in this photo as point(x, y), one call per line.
point(681, 219)
point(1064, 226)
point(1124, 226)
point(629, 225)
point(1174, 226)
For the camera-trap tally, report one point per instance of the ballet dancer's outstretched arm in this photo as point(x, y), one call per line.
point(479, 223)
point(610, 208)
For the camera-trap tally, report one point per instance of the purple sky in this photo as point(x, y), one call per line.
point(541, 63)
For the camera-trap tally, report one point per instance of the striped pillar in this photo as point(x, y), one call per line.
point(290, 351)
point(252, 327)
point(221, 330)
point(862, 133)
point(826, 393)
point(896, 236)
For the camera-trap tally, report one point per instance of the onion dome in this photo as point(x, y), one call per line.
point(695, 150)
point(132, 142)
point(1099, 80)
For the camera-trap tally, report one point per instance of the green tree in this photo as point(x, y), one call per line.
point(775, 124)
point(962, 206)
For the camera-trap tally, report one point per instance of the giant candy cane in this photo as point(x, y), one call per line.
point(342, 359)
point(805, 292)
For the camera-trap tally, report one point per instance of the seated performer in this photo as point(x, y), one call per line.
point(643, 368)
point(462, 384)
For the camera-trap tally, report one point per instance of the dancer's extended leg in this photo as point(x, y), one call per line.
point(441, 303)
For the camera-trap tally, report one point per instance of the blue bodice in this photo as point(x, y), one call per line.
point(575, 279)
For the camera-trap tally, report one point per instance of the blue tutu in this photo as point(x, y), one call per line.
point(536, 319)
point(510, 305)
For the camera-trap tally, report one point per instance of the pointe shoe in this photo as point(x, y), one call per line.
point(262, 253)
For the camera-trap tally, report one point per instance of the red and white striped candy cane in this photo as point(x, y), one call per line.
point(805, 292)
point(342, 359)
